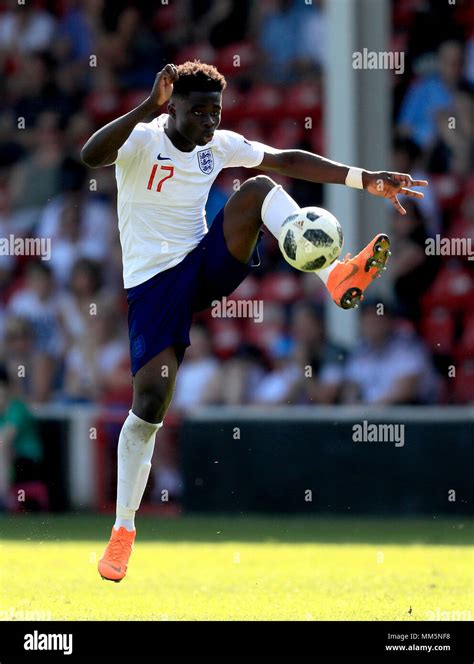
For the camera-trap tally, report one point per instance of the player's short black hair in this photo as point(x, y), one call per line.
point(198, 77)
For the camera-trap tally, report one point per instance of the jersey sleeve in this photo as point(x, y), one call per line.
point(137, 140)
point(238, 151)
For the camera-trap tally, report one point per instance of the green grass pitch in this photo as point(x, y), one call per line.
point(240, 568)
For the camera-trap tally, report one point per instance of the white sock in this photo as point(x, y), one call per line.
point(326, 271)
point(276, 207)
point(135, 450)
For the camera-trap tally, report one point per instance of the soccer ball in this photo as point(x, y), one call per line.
point(311, 239)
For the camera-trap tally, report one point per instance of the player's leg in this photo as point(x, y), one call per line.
point(259, 200)
point(152, 391)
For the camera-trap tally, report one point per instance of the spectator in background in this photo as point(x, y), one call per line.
point(280, 49)
point(20, 446)
point(322, 360)
point(241, 375)
point(22, 360)
point(80, 225)
point(38, 303)
point(35, 179)
point(77, 304)
point(198, 381)
point(388, 367)
point(278, 385)
point(431, 94)
point(411, 268)
point(453, 150)
point(98, 362)
point(25, 28)
point(408, 158)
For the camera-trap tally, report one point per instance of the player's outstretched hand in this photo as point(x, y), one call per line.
point(163, 85)
point(389, 185)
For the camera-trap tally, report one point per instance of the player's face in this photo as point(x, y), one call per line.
point(198, 116)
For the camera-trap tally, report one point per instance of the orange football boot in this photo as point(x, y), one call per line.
point(113, 564)
point(349, 279)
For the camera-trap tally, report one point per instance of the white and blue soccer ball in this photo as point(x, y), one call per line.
point(311, 239)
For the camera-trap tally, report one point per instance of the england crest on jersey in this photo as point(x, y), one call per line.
point(206, 160)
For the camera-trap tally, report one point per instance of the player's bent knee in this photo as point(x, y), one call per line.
point(151, 402)
point(258, 186)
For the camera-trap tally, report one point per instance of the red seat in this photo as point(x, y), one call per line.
point(262, 102)
point(453, 288)
point(202, 51)
point(226, 336)
point(235, 58)
point(233, 100)
point(263, 335)
point(465, 349)
point(36, 492)
point(282, 287)
point(302, 99)
point(251, 129)
point(132, 99)
point(464, 383)
point(285, 135)
point(448, 189)
point(438, 330)
point(247, 290)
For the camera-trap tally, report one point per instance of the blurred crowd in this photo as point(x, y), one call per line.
point(69, 66)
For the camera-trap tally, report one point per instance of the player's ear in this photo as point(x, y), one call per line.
point(172, 109)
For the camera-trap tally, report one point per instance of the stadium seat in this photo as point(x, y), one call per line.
point(247, 290)
point(281, 287)
point(226, 336)
point(233, 101)
point(285, 135)
point(202, 51)
point(262, 102)
point(438, 330)
point(132, 99)
point(36, 497)
point(226, 58)
point(252, 129)
point(453, 288)
point(448, 190)
point(263, 335)
point(302, 99)
point(465, 349)
point(464, 383)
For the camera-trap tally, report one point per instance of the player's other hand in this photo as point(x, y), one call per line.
point(163, 85)
point(390, 185)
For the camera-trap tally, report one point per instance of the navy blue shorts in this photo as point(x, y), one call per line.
point(160, 310)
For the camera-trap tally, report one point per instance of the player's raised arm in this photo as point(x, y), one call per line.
point(307, 166)
point(102, 147)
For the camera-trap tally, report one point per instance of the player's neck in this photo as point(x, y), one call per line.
point(178, 140)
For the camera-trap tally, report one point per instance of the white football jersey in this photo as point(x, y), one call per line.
point(162, 193)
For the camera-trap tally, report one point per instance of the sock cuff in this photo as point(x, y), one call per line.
point(268, 198)
point(139, 420)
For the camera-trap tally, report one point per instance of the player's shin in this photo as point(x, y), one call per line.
point(276, 207)
point(135, 451)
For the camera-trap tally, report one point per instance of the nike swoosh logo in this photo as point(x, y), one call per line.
point(162, 158)
point(354, 270)
point(117, 569)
